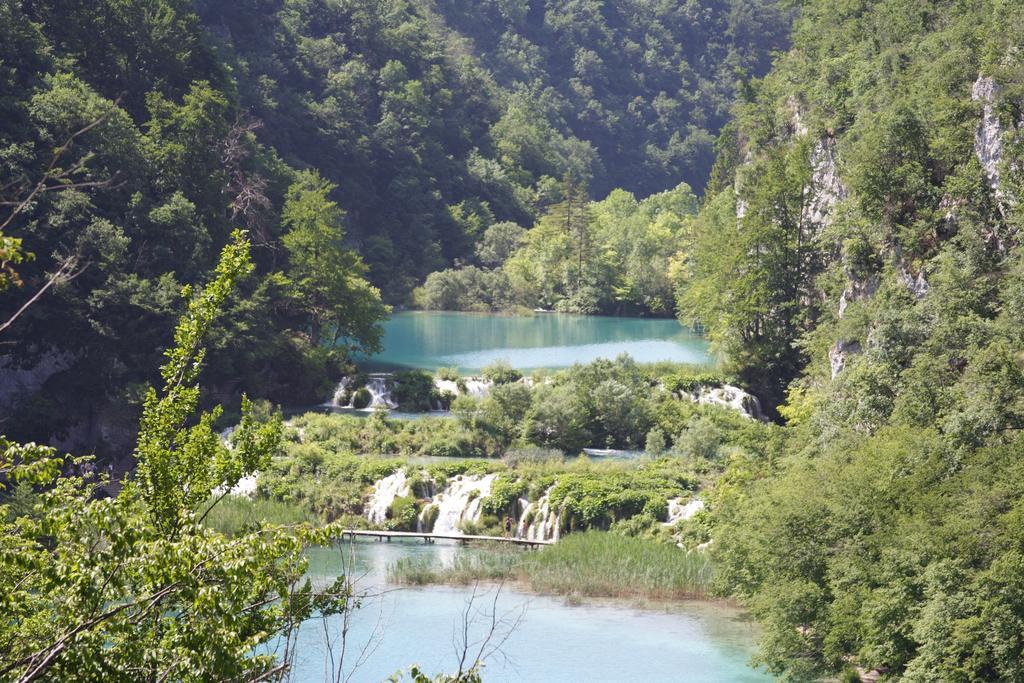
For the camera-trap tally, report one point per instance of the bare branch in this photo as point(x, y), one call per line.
point(52, 173)
point(63, 275)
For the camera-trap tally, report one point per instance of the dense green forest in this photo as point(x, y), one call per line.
point(613, 256)
point(363, 145)
point(865, 269)
point(842, 219)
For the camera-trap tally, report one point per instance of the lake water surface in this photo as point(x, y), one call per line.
point(471, 341)
point(554, 641)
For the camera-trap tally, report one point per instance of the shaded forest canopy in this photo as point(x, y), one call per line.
point(863, 271)
point(362, 144)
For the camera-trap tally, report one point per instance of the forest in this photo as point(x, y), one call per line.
point(362, 146)
point(830, 191)
point(873, 288)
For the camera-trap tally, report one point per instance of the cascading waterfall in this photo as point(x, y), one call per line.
point(339, 394)
point(467, 386)
point(544, 523)
point(384, 493)
point(376, 385)
point(460, 502)
point(380, 394)
point(477, 388)
point(678, 510)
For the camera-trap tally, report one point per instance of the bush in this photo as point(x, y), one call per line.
point(501, 373)
point(361, 398)
point(533, 455)
point(413, 390)
point(235, 514)
point(505, 491)
point(688, 382)
point(449, 374)
point(403, 514)
point(701, 439)
point(464, 289)
point(655, 444)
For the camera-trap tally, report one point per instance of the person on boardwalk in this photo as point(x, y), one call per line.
point(508, 527)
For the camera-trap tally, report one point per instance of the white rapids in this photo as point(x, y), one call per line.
point(677, 510)
point(460, 502)
point(545, 522)
point(384, 493)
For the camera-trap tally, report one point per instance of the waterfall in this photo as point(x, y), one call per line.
point(380, 394)
point(225, 437)
point(460, 502)
point(376, 385)
point(677, 510)
point(339, 394)
point(474, 386)
point(446, 385)
point(524, 507)
point(384, 493)
point(545, 524)
point(245, 488)
point(477, 388)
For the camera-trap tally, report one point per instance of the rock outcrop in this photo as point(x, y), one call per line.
point(988, 138)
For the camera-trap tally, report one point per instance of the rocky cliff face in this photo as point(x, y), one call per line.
point(827, 188)
point(17, 382)
point(988, 138)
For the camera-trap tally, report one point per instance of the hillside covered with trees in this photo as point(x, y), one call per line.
point(832, 190)
point(865, 269)
point(362, 145)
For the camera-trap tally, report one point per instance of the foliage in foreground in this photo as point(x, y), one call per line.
point(137, 587)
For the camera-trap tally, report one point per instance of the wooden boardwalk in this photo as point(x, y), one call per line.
point(430, 538)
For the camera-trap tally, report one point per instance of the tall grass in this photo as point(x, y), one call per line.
point(235, 513)
point(601, 564)
point(590, 564)
point(496, 564)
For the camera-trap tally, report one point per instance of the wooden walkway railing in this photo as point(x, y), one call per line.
point(430, 538)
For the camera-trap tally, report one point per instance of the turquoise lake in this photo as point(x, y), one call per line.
point(554, 641)
point(471, 341)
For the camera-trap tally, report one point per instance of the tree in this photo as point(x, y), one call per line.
point(555, 265)
point(499, 242)
point(325, 279)
point(748, 272)
point(136, 587)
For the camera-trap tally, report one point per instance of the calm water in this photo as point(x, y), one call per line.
point(471, 341)
point(553, 641)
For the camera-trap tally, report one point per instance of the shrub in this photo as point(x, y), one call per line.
point(448, 374)
point(402, 514)
point(700, 439)
point(533, 455)
point(361, 398)
point(413, 390)
point(501, 373)
point(505, 491)
point(655, 442)
point(684, 382)
point(464, 289)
